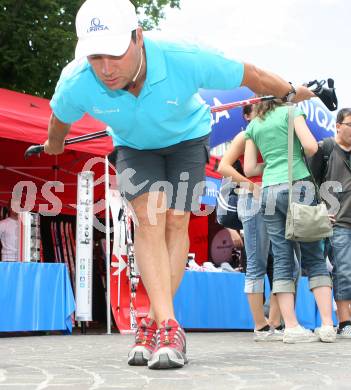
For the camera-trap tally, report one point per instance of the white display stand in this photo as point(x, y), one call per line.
point(84, 243)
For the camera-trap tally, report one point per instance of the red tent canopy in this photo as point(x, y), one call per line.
point(25, 118)
point(23, 122)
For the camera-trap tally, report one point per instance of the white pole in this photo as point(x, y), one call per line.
point(108, 246)
point(119, 263)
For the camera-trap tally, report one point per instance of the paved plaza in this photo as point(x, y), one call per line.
point(229, 360)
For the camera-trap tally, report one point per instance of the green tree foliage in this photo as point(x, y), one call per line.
point(37, 39)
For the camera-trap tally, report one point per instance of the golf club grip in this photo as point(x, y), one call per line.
point(35, 149)
point(87, 137)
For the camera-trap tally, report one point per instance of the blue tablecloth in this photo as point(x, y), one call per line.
point(211, 300)
point(35, 297)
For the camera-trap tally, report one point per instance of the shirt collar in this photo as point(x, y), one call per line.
point(156, 63)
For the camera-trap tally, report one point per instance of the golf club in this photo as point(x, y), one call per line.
point(326, 94)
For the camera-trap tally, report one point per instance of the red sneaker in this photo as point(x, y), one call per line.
point(171, 347)
point(145, 343)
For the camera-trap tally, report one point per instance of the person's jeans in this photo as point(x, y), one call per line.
point(275, 201)
point(341, 260)
point(256, 242)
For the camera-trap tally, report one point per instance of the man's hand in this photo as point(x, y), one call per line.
point(57, 132)
point(53, 148)
point(302, 93)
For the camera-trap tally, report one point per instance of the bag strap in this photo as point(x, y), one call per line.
point(290, 148)
point(291, 131)
point(327, 149)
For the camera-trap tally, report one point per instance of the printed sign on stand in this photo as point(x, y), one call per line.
point(84, 242)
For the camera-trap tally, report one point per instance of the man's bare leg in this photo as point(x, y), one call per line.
point(152, 254)
point(177, 241)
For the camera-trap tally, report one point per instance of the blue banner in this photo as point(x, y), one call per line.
point(226, 124)
point(318, 118)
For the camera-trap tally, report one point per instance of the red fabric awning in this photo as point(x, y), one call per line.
point(23, 122)
point(25, 118)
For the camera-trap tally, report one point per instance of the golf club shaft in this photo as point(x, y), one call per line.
point(241, 103)
point(86, 137)
point(103, 133)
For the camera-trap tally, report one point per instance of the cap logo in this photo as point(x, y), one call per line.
point(95, 25)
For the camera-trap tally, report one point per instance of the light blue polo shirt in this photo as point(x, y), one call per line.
point(167, 111)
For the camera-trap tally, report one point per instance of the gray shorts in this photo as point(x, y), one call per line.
point(177, 170)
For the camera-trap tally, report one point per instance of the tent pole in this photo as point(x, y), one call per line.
point(108, 246)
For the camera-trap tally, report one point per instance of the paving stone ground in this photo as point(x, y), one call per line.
point(230, 360)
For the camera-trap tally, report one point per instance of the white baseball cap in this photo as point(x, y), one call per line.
point(104, 27)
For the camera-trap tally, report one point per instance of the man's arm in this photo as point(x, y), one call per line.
point(57, 132)
point(263, 82)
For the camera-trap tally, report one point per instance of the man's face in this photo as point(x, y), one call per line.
point(118, 72)
point(344, 131)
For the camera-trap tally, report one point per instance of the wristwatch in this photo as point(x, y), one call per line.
point(290, 95)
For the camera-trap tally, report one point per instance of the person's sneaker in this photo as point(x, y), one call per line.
point(170, 350)
point(145, 343)
point(299, 334)
point(345, 332)
point(268, 335)
point(326, 333)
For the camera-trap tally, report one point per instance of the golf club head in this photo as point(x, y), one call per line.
point(328, 96)
point(35, 149)
point(330, 83)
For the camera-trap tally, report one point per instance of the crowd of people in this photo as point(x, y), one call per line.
point(265, 144)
